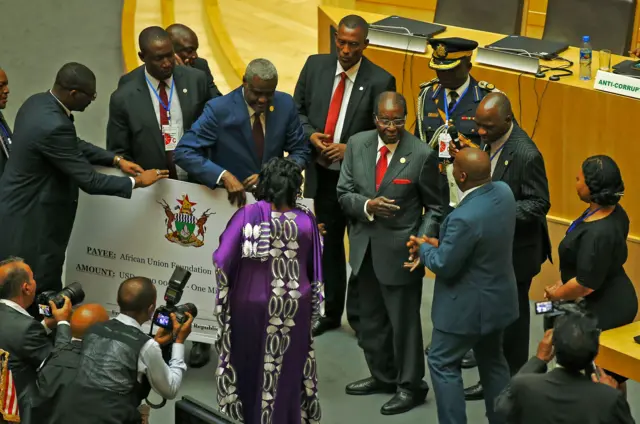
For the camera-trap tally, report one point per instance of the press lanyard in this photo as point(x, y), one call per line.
point(446, 105)
point(580, 220)
point(497, 152)
point(166, 107)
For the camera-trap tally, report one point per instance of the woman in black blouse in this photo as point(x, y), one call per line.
point(594, 250)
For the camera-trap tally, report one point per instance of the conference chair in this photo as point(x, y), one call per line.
point(501, 16)
point(609, 23)
point(190, 411)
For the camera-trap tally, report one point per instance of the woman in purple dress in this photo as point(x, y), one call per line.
point(269, 290)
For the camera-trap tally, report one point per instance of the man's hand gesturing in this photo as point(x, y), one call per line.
point(382, 207)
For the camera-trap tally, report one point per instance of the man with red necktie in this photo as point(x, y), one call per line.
point(335, 95)
point(388, 188)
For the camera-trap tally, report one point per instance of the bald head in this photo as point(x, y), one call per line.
point(471, 168)
point(497, 103)
point(136, 296)
point(86, 316)
point(180, 30)
point(494, 117)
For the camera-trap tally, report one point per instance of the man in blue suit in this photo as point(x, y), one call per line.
point(475, 294)
point(240, 131)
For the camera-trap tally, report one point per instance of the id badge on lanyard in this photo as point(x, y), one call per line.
point(444, 139)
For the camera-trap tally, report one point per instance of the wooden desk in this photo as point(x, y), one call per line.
point(619, 352)
point(574, 121)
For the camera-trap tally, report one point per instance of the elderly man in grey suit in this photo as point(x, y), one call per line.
point(475, 294)
point(388, 179)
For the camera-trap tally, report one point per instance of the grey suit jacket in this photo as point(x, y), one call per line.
point(411, 180)
point(475, 291)
point(28, 345)
point(133, 130)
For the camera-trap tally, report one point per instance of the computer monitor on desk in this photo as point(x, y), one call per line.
point(517, 53)
point(403, 34)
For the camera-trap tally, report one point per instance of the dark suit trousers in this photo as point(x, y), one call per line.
point(334, 264)
point(390, 330)
point(445, 357)
point(516, 335)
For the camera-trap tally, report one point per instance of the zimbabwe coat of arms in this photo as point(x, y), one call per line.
point(183, 227)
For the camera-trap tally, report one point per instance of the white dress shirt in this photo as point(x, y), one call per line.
point(175, 111)
point(164, 379)
point(460, 91)
point(392, 149)
point(68, 112)
point(352, 73)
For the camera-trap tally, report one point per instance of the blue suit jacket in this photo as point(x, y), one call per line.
point(221, 138)
point(475, 290)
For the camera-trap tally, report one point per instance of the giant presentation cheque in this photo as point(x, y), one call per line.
point(169, 224)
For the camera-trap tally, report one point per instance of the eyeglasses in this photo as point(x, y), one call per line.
point(387, 122)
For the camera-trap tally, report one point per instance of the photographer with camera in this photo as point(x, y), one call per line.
point(24, 338)
point(575, 392)
point(120, 364)
point(61, 367)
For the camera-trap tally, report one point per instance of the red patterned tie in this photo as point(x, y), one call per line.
point(381, 166)
point(258, 136)
point(334, 108)
point(164, 120)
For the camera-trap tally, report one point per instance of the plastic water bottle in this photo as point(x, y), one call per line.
point(585, 58)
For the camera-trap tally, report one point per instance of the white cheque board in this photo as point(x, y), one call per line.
point(169, 224)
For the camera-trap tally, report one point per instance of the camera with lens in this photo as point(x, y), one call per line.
point(73, 291)
point(552, 310)
point(172, 296)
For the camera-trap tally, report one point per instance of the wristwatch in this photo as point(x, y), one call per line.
point(116, 161)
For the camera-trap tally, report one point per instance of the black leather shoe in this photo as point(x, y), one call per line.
point(322, 326)
point(474, 392)
point(200, 353)
point(403, 402)
point(369, 386)
point(469, 360)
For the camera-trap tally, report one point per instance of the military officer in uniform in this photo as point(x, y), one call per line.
point(452, 97)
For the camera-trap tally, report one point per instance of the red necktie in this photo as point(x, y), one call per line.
point(381, 166)
point(164, 120)
point(334, 107)
point(258, 136)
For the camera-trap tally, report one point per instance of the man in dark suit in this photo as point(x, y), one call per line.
point(335, 98)
point(387, 179)
point(61, 366)
point(450, 99)
point(5, 131)
point(475, 293)
point(49, 164)
point(185, 45)
point(154, 105)
point(240, 131)
point(565, 394)
point(24, 338)
point(516, 160)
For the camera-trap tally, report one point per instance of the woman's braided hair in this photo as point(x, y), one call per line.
point(280, 182)
point(603, 177)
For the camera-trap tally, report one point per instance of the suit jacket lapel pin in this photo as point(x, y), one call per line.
point(361, 88)
point(506, 162)
point(402, 160)
point(184, 90)
point(271, 108)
